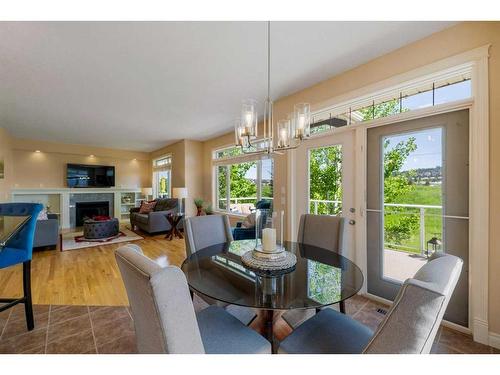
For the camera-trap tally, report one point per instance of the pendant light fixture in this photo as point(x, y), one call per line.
point(289, 133)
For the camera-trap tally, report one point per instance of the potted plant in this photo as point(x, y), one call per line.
point(198, 202)
point(208, 209)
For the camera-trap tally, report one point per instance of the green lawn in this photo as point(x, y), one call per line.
point(424, 195)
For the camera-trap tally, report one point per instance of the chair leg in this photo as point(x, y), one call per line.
point(342, 307)
point(28, 307)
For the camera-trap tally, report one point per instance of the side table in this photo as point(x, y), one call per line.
point(174, 220)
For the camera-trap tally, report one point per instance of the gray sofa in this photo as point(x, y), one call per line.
point(155, 221)
point(47, 232)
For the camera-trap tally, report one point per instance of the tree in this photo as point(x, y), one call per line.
point(325, 168)
point(380, 110)
point(241, 186)
point(399, 224)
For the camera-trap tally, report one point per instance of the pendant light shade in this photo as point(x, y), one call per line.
point(302, 120)
point(284, 134)
point(249, 118)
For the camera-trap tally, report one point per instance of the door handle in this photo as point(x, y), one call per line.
point(352, 210)
point(352, 222)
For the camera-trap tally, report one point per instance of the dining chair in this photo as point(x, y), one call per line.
point(324, 231)
point(19, 249)
point(164, 317)
point(209, 230)
point(409, 326)
point(205, 231)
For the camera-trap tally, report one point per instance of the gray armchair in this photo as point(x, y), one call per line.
point(327, 232)
point(164, 316)
point(47, 232)
point(409, 326)
point(155, 221)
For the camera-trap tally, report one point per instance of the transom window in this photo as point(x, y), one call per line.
point(403, 99)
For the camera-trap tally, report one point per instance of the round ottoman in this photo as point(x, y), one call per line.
point(94, 229)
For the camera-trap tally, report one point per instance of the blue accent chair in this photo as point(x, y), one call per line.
point(240, 233)
point(19, 249)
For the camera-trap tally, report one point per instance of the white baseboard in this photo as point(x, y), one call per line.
point(480, 331)
point(494, 340)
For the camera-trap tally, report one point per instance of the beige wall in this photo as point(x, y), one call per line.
point(6, 157)
point(177, 150)
point(187, 168)
point(47, 169)
point(193, 173)
point(457, 39)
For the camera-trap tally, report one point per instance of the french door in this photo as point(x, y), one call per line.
point(417, 202)
point(324, 182)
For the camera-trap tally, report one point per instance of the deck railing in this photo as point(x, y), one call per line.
point(419, 209)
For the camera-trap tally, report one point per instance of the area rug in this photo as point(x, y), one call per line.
point(68, 241)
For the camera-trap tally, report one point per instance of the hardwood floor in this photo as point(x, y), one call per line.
point(87, 276)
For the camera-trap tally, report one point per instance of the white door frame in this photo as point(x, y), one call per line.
point(477, 60)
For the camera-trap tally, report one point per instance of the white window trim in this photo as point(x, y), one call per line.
point(226, 162)
point(163, 168)
point(477, 61)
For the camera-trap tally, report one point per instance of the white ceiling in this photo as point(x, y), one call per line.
point(141, 85)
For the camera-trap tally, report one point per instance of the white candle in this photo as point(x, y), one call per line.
point(269, 240)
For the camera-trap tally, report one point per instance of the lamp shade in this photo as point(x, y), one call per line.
point(147, 191)
point(180, 193)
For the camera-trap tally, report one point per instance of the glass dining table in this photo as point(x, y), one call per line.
point(10, 226)
point(320, 278)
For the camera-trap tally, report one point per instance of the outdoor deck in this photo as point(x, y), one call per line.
point(399, 265)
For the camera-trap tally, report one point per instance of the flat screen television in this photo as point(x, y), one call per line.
point(88, 176)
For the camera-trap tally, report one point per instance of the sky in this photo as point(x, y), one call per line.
point(429, 148)
point(430, 141)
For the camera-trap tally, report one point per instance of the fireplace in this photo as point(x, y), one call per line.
point(87, 210)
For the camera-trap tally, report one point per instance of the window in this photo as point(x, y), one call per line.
point(241, 181)
point(162, 176)
point(398, 100)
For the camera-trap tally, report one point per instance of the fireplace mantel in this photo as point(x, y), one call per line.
point(59, 199)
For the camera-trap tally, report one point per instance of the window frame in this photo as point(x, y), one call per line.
point(163, 167)
point(400, 92)
point(227, 162)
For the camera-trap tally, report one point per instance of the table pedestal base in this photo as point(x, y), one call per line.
point(269, 330)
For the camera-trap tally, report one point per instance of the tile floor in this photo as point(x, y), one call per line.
point(109, 329)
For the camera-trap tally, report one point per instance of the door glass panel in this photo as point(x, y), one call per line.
point(325, 180)
point(413, 201)
point(221, 187)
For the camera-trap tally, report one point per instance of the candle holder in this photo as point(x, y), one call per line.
point(266, 239)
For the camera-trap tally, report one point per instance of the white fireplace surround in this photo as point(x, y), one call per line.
point(59, 200)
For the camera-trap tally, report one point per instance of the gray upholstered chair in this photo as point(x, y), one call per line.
point(164, 316)
point(409, 326)
point(327, 232)
point(204, 231)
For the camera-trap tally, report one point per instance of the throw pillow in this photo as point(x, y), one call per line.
point(249, 221)
point(147, 207)
point(42, 215)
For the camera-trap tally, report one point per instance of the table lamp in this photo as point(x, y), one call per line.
point(180, 194)
point(147, 192)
